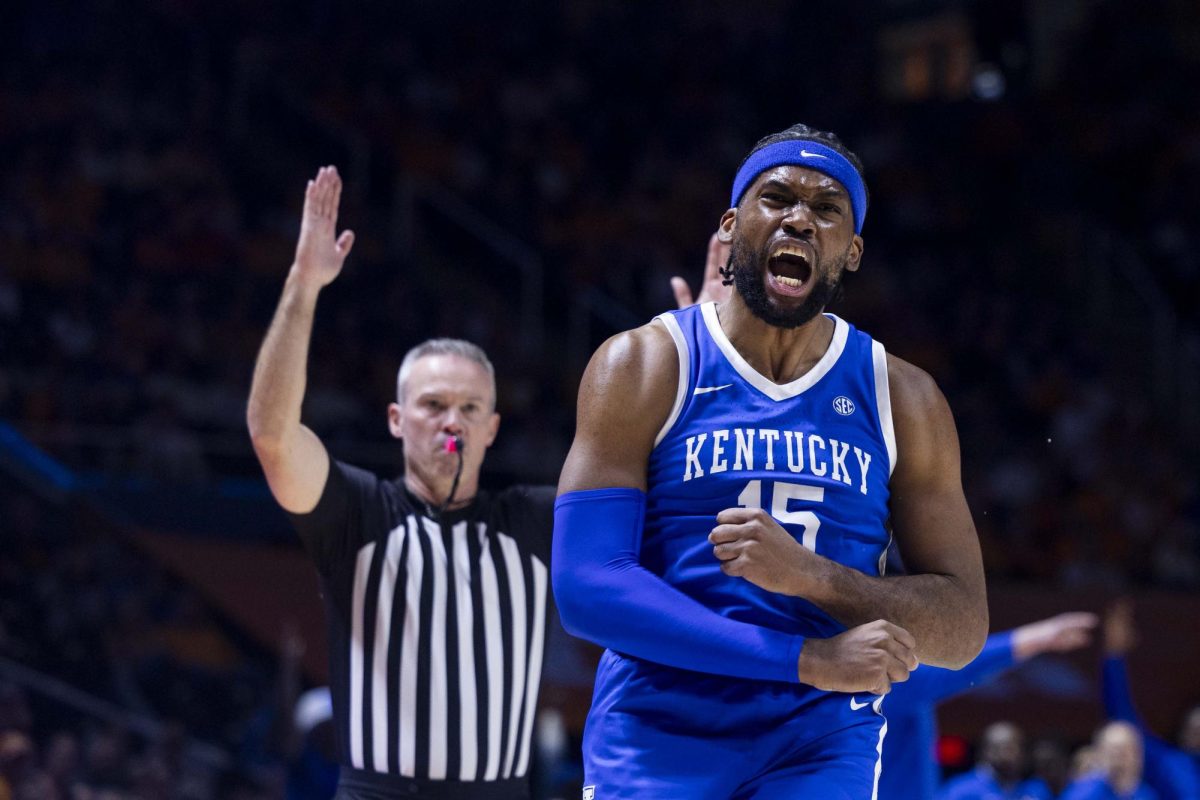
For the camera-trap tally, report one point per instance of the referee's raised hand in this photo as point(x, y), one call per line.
point(320, 254)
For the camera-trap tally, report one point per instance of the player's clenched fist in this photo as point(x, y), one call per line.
point(869, 658)
point(751, 544)
point(320, 253)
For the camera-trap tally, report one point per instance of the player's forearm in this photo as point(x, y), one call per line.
point(948, 617)
point(627, 609)
point(605, 596)
point(280, 374)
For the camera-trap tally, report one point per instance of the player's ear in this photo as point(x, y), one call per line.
point(854, 257)
point(727, 226)
point(395, 416)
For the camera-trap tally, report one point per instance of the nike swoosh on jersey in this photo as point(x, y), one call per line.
point(707, 389)
point(855, 705)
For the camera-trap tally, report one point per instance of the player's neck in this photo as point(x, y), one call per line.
point(779, 354)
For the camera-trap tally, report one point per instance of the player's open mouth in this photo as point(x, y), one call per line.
point(789, 269)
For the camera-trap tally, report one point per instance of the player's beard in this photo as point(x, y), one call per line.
point(750, 280)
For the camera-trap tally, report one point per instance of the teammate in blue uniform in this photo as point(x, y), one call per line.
point(1174, 772)
point(910, 771)
point(998, 774)
point(724, 512)
point(1119, 756)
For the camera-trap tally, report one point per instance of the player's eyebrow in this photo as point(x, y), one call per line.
point(775, 183)
point(832, 190)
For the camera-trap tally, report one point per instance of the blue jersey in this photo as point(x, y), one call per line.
point(817, 453)
point(1097, 788)
point(981, 784)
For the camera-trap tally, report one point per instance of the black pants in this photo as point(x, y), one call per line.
point(359, 785)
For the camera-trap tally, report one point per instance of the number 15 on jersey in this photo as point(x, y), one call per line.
point(781, 494)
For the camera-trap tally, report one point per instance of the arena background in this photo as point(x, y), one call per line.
point(529, 176)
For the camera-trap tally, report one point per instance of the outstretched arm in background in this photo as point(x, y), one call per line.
point(928, 685)
point(1119, 639)
point(294, 459)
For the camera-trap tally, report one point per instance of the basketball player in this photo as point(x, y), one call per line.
point(1119, 756)
point(909, 770)
point(1000, 771)
point(725, 509)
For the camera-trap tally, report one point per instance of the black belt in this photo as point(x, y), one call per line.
point(357, 784)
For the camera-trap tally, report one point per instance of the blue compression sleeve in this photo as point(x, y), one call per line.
point(930, 685)
point(605, 595)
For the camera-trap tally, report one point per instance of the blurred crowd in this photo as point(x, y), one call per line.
point(169, 692)
point(157, 152)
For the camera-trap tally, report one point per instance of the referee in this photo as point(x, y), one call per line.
point(435, 591)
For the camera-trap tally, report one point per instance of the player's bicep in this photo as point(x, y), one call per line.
point(932, 522)
point(296, 470)
point(625, 396)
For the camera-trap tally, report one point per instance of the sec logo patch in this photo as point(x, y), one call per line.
point(843, 405)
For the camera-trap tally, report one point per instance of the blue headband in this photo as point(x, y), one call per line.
point(805, 153)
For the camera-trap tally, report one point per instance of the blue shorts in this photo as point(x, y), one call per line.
point(660, 732)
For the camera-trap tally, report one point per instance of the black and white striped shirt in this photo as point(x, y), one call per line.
point(437, 627)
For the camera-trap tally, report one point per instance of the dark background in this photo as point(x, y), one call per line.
point(529, 176)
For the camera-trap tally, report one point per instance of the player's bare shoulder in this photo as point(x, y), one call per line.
point(625, 397)
point(925, 433)
point(912, 388)
point(634, 371)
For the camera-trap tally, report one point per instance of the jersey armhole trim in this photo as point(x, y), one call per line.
point(883, 401)
point(681, 349)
